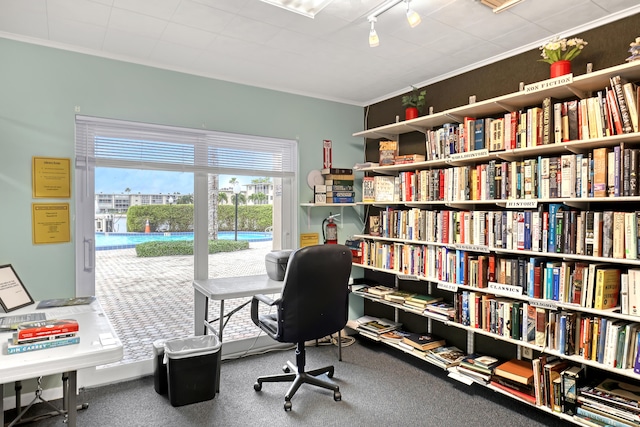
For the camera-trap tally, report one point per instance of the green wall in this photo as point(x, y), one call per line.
point(41, 88)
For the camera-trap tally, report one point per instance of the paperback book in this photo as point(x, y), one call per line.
point(42, 345)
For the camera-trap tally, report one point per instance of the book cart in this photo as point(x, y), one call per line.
point(414, 263)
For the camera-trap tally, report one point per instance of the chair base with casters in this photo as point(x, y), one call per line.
point(299, 376)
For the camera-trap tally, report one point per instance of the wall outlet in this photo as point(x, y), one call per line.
point(527, 353)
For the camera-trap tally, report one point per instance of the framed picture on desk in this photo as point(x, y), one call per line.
point(13, 294)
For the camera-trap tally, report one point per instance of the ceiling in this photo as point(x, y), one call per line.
point(254, 43)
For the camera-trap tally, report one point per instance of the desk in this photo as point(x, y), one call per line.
point(98, 345)
point(220, 290)
point(223, 289)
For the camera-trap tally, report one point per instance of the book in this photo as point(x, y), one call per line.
point(607, 288)
point(520, 371)
point(368, 189)
point(41, 345)
point(384, 188)
point(16, 340)
point(336, 171)
point(388, 150)
point(44, 328)
point(423, 341)
point(65, 302)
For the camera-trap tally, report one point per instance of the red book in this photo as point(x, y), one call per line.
point(45, 328)
point(514, 129)
point(445, 226)
point(517, 393)
point(615, 113)
point(537, 278)
point(441, 184)
point(491, 271)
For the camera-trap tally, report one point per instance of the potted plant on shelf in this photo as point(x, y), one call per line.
point(559, 54)
point(413, 103)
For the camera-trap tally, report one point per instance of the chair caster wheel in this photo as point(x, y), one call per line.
point(286, 369)
point(337, 396)
point(287, 406)
point(257, 386)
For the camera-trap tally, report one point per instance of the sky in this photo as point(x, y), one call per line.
point(115, 181)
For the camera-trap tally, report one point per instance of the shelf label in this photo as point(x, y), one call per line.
point(548, 304)
point(505, 289)
point(408, 277)
point(452, 287)
point(526, 204)
point(469, 155)
point(547, 84)
point(471, 248)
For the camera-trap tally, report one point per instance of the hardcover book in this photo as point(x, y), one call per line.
point(423, 341)
point(520, 371)
point(388, 151)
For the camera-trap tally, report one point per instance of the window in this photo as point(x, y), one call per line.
point(120, 144)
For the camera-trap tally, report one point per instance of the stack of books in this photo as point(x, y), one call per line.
point(516, 377)
point(441, 310)
point(610, 402)
point(40, 335)
point(478, 367)
point(420, 301)
point(374, 327)
point(445, 356)
point(338, 185)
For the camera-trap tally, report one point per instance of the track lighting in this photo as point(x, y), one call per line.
point(373, 36)
point(412, 17)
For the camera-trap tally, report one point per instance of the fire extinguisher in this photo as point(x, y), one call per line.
point(330, 231)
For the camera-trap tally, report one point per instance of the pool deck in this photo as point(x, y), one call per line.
point(148, 299)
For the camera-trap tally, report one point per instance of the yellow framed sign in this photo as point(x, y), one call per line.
point(50, 223)
point(308, 239)
point(51, 177)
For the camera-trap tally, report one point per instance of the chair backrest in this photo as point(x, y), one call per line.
point(315, 294)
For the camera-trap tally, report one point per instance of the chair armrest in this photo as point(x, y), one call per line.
point(255, 302)
point(265, 299)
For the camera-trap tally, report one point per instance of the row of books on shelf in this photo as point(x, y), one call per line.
point(609, 341)
point(611, 111)
point(40, 335)
point(546, 381)
point(588, 285)
point(600, 173)
point(553, 228)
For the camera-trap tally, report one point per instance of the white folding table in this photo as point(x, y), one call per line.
point(99, 345)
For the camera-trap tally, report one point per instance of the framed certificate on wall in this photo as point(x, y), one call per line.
point(13, 294)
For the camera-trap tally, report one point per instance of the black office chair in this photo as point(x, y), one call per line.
point(313, 304)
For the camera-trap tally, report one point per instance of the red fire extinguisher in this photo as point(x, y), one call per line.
point(330, 231)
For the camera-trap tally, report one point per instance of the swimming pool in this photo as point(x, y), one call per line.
point(106, 241)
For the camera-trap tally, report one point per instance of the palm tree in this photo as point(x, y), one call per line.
point(223, 198)
point(213, 205)
point(257, 198)
point(127, 190)
point(242, 199)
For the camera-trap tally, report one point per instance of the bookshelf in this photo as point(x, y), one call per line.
point(415, 248)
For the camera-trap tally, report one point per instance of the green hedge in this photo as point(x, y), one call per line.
point(180, 217)
point(185, 247)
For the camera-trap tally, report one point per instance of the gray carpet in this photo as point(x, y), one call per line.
point(380, 386)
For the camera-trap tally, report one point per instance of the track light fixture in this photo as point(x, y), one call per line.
point(412, 17)
point(373, 36)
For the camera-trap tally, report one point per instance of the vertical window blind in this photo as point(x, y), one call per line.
point(115, 143)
